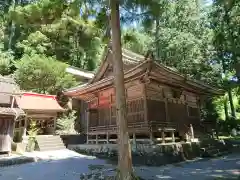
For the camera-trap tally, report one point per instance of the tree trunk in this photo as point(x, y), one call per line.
point(237, 69)
point(225, 98)
point(12, 29)
point(233, 113)
point(225, 104)
point(124, 155)
point(157, 39)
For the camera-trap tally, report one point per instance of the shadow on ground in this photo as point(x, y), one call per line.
point(71, 168)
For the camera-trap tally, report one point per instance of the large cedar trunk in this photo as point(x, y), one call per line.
point(124, 157)
point(233, 113)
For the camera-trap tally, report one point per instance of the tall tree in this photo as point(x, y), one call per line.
point(124, 160)
point(226, 42)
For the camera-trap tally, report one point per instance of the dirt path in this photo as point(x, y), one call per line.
point(68, 165)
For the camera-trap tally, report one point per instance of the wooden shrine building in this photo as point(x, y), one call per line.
point(160, 102)
point(18, 109)
point(8, 112)
point(40, 108)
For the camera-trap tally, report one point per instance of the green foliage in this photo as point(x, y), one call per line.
point(32, 133)
point(136, 41)
point(5, 62)
point(219, 104)
point(42, 74)
point(54, 28)
point(225, 22)
point(66, 123)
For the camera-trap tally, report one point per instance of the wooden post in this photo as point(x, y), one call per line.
point(173, 136)
point(145, 103)
point(107, 138)
point(191, 130)
point(134, 142)
point(163, 136)
point(87, 118)
point(25, 127)
point(166, 109)
point(54, 124)
point(187, 138)
point(151, 138)
point(96, 139)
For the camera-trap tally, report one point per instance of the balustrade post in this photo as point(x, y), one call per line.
point(134, 142)
point(191, 130)
point(151, 138)
point(87, 118)
point(173, 136)
point(96, 139)
point(107, 138)
point(163, 136)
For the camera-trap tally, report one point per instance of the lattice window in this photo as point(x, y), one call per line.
point(135, 110)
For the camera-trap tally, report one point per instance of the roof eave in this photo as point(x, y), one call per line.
point(107, 81)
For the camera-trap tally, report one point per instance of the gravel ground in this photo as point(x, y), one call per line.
point(68, 165)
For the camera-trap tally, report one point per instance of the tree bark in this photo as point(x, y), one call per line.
point(225, 104)
point(233, 113)
point(157, 39)
point(12, 29)
point(124, 155)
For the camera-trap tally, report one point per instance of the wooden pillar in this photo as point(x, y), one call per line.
point(145, 102)
point(163, 136)
point(191, 130)
point(134, 143)
point(54, 124)
point(173, 136)
point(151, 138)
point(97, 139)
point(187, 137)
point(87, 113)
point(166, 109)
point(25, 126)
point(107, 138)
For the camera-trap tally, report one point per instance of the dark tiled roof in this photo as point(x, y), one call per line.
point(7, 88)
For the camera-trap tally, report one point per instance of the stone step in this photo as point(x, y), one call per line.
point(47, 143)
point(52, 148)
point(47, 148)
